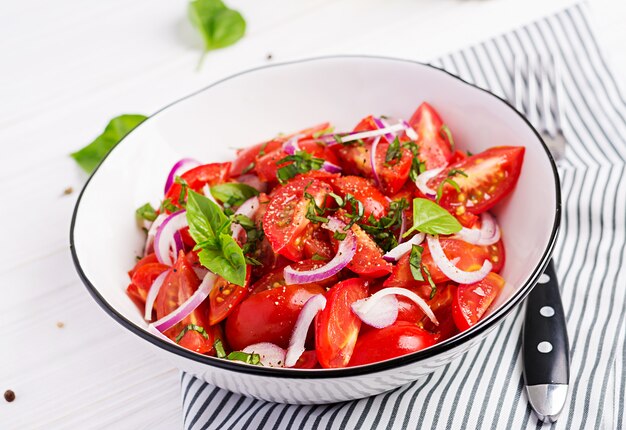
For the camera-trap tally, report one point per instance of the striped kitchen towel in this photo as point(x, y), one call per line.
point(484, 389)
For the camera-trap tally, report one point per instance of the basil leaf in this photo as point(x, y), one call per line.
point(225, 258)
point(91, 155)
point(219, 349)
point(245, 357)
point(415, 262)
point(433, 287)
point(191, 327)
point(218, 25)
point(430, 218)
point(206, 220)
point(232, 193)
point(146, 212)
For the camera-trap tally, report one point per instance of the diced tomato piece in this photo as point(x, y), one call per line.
point(434, 148)
point(472, 300)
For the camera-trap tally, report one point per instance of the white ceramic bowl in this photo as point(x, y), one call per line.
point(250, 107)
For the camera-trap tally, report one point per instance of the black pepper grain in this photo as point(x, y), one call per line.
point(269, 57)
point(9, 396)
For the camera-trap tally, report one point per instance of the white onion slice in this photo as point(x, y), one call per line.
point(488, 234)
point(382, 315)
point(373, 150)
point(381, 124)
point(152, 295)
point(152, 232)
point(188, 306)
point(206, 190)
point(271, 355)
point(396, 253)
point(298, 337)
point(248, 208)
point(422, 180)
point(165, 243)
point(345, 253)
point(410, 131)
point(372, 133)
point(253, 181)
point(365, 308)
point(449, 269)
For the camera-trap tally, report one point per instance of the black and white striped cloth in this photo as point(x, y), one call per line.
point(484, 389)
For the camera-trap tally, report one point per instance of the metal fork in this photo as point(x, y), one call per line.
point(537, 93)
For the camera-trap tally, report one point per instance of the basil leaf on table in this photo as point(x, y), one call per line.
point(91, 155)
point(219, 25)
point(232, 193)
point(430, 218)
point(210, 228)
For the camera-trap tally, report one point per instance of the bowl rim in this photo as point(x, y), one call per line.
point(449, 344)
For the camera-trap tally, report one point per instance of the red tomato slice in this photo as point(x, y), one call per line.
point(394, 174)
point(179, 284)
point(355, 159)
point(224, 297)
point(207, 174)
point(337, 327)
point(457, 156)
point(268, 165)
point(396, 340)
point(374, 202)
point(308, 360)
point(496, 255)
point(150, 258)
point(472, 300)
point(143, 278)
point(247, 157)
point(317, 243)
point(268, 316)
point(285, 219)
point(471, 258)
point(434, 149)
point(491, 175)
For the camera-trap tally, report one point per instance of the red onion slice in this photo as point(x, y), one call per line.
point(488, 234)
point(152, 232)
point(165, 244)
point(422, 181)
point(271, 355)
point(410, 131)
point(345, 253)
point(373, 150)
point(396, 253)
point(152, 294)
point(389, 137)
point(190, 305)
point(249, 209)
point(291, 146)
point(330, 167)
point(366, 309)
point(449, 269)
point(178, 169)
point(310, 309)
point(253, 181)
point(152, 330)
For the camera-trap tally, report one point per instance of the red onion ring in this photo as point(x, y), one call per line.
point(345, 253)
point(396, 253)
point(152, 232)
point(488, 234)
point(152, 294)
point(249, 209)
point(422, 180)
point(381, 125)
point(178, 169)
point(378, 313)
point(271, 355)
point(310, 309)
point(253, 181)
point(190, 305)
point(330, 167)
point(373, 150)
point(155, 332)
point(449, 269)
point(165, 243)
point(291, 146)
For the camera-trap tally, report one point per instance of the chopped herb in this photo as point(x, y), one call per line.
point(317, 257)
point(339, 235)
point(191, 327)
point(415, 262)
point(262, 151)
point(219, 349)
point(338, 199)
point(218, 25)
point(210, 228)
point(450, 181)
point(417, 167)
point(182, 196)
point(245, 357)
point(430, 218)
point(382, 230)
point(301, 162)
point(252, 261)
point(243, 221)
point(338, 139)
point(469, 154)
point(91, 155)
point(445, 132)
point(433, 287)
point(167, 205)
point(248, 168)
point(146, 212)
point(394, 152)
point(328, 130)
point(232, 193)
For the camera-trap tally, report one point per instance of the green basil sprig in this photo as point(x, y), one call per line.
point(219, 25)
point(430, 218)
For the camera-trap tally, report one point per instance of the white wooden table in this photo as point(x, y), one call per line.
point(67, 67)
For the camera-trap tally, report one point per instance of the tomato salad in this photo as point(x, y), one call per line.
point(322, 249)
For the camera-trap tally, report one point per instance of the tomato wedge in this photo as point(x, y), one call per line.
point(337, 327)
point(368, 260)
point(224, 296)
point(285, 219)
point(374, 202)
point(247, 158)
point(396, 340)
point(268, 316)
point(488, 177)
point(268, 165)
point(150, 258)
point(179, 284)
point(207, 174)
point(142, 279)
point(471, 301)
point(496, 255)
point(434, 149)
point(392, 174)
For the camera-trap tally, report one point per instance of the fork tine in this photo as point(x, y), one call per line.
point(533, 115)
